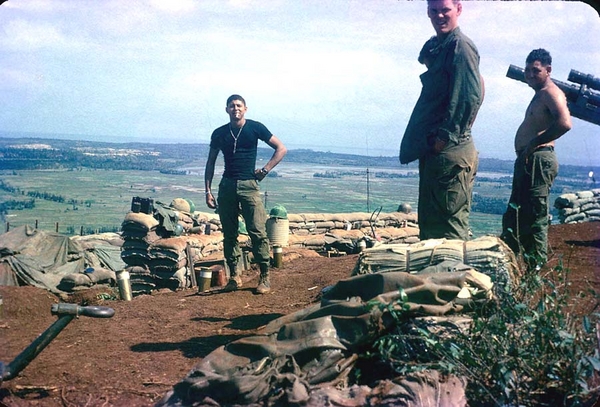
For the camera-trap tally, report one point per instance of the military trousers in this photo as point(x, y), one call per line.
point(445, 191)
point(242, 197)
point(525, 222)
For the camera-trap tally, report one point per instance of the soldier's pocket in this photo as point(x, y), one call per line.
point(544, 171)
point(451, 193)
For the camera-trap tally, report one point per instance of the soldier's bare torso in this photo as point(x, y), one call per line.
point(539, 116)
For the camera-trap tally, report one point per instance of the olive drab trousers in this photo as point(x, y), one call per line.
point(445, 190)
point(242, 197)
point(525, 222)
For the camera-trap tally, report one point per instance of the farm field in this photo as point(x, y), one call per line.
point(97, 200)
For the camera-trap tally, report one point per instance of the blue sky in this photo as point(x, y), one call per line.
point(330, 75)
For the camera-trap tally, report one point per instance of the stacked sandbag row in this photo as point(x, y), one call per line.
point(150, 267)
point(314, 231)
point(321, 223)
point(339, 237)
point(160, 247)
point(578, 207)
point(488, 255)
point(210, 222)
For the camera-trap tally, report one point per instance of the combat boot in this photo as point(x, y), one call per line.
point(264, 283)
point(235, 281)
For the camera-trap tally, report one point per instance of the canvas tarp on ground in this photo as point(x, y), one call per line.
point(30, 256)
point(301, 357)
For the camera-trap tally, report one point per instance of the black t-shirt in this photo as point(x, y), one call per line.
point(239, 164)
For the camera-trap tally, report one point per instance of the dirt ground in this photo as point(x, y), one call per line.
point(135, 357)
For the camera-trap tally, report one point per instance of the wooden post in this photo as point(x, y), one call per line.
point(191, 268)
point(36, 223)
point(56, 227)
point(81, 232)
point(7, 226)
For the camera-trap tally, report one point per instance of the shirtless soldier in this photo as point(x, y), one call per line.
point(525, 222)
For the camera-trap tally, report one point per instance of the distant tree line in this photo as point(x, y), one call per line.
point(16, 205)
point(327, 174)
point(174, 172)
point(409, 174)
point(46, 196)
point(39, 195)
point(72, 154)
point(86, 230)
point(8, 188)
point(486, 204)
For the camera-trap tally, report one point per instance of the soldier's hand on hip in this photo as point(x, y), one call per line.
point(260, 174)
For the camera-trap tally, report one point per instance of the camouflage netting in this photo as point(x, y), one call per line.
point(583, 206)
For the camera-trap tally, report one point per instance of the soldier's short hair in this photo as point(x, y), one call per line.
point(541, 55)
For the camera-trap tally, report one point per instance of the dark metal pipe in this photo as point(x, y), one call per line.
point(571, 91)
point(65, 313)
point(11, 370)
point(583, 103)
point(590, 81)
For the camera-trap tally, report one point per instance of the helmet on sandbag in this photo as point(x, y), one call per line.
point(192, 205)
point(405, 208)
point(178, 230)
point(278, 211)
point(181, 205)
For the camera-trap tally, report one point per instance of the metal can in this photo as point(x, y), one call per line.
point(277, 256)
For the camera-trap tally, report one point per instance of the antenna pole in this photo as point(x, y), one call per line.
point(368, 193)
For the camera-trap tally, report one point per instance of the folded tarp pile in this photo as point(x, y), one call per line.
point(578, 207)
point(55, 262)
point(307, 358)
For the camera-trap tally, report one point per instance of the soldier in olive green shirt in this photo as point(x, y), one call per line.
point(438, 133)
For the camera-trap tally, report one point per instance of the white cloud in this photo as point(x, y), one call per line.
point(26, 36)
point(320, 71)
point(174, 6)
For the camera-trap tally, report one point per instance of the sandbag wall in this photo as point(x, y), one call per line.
point(318, 230)
point(321, 223)
point(155, 258)
point(578, 207)
point(315, 231)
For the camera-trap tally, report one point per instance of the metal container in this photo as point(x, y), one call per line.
point(124, 285)
point(205, 279)
point(278, 231)
point(277, 256)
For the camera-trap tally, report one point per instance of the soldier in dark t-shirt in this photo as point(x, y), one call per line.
point(239, 192)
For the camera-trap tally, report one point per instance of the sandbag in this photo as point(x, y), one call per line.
point(488, 255)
